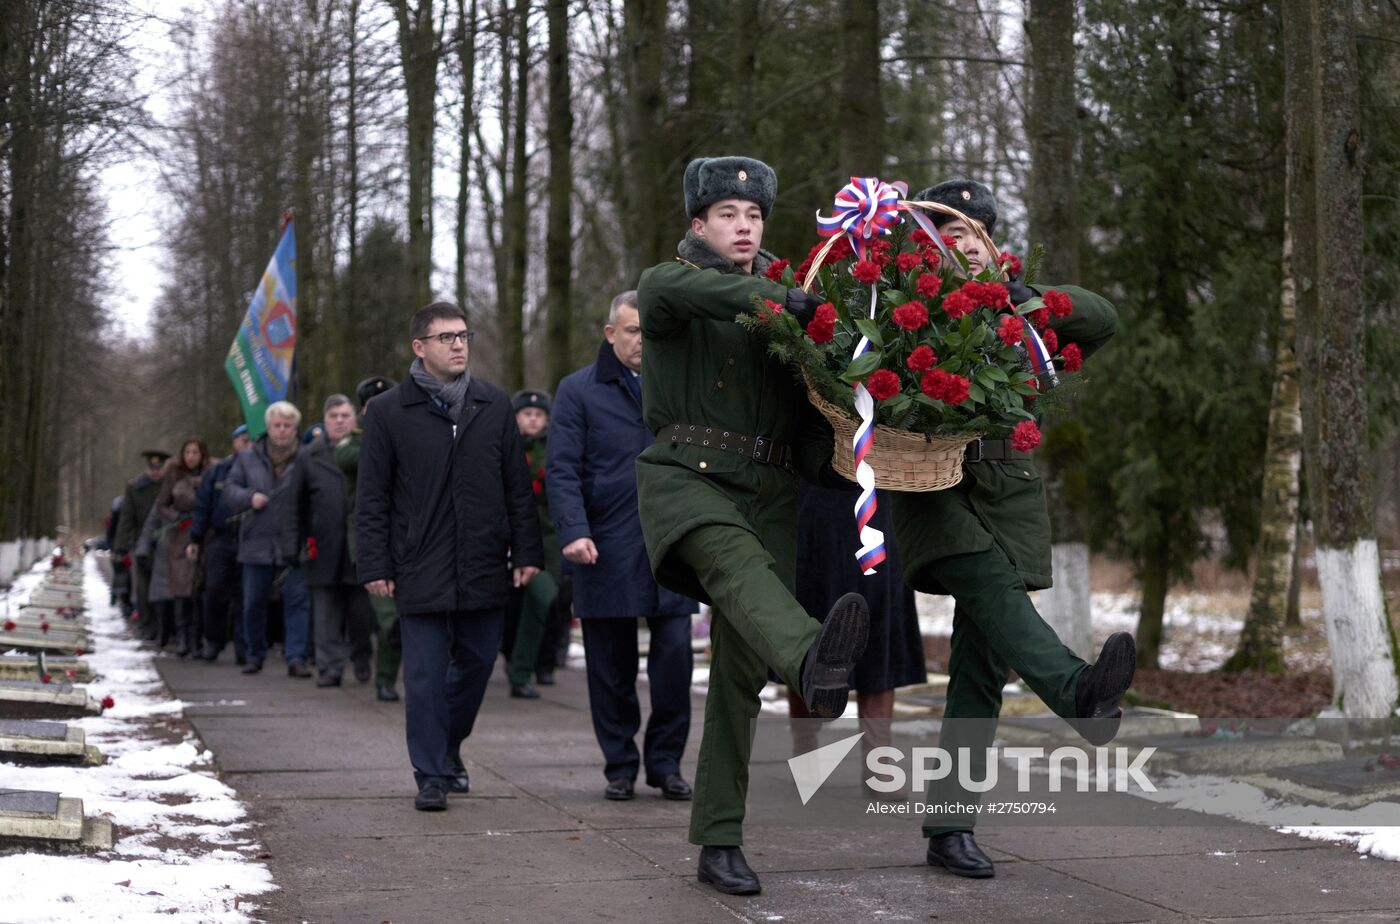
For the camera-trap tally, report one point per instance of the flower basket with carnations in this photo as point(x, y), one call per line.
point(913, 342)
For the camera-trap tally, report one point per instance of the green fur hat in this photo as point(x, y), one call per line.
point(711, 179)
point(530, 397)
point(971, 198)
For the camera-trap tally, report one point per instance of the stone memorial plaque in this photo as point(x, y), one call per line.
point(28, 803)
point(25, 728)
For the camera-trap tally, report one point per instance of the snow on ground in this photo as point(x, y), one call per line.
point(184, 848)
point(1373, 830)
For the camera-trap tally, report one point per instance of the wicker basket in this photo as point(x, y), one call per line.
point(903, 461)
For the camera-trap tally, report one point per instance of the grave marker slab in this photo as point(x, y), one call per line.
point(1251, 752)
point(31, 819)
point(30, 699)
point(26, 667)
point(30, 742)
point(1344, 783)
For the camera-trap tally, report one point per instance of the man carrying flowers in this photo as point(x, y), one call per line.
point(717, 494)
point(986, 541)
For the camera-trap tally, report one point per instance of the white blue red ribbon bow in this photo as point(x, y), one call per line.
point(865, 208)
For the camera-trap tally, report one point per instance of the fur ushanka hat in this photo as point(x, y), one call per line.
point(971, 198)
point(711, 179)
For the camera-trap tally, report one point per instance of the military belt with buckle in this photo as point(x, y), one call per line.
point(754, 448)
point(994, 451)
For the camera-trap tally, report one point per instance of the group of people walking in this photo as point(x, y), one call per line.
point(456, 523)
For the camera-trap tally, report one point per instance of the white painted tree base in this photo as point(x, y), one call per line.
point(1066, 606)
point(1363, 669)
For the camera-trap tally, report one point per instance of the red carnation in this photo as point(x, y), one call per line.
point(311, 550)
point(775, 270)
point(772, 306)
point(801, 274)
point(911, 315)
point(47, 678)
point(865, 272)
point(906, 261)
point(1040, 317)
point(991, 294)
point(932, 258)
point(78, 652)
point(1025, 437)
point(184, 524)
point(928, 285)
point(537, 486)
point(108, 702)
point(71, 673)
point(840, 250)
point(1074, 360)
point(44, 627)
point(920, 236)
point(882, 384)
point(922, 359)
point(1059, 303)
point(956, 304)
point(1012, 329)
point(944, 386)
point(1010, 261)
point(822, 327)
point(949, 242)
point(1051, 340)
point(9, 625)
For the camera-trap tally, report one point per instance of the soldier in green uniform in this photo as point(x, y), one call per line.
point(533, 602)
point(137, 501)
point(717, 493)
point(388, 655)
point(986, 542)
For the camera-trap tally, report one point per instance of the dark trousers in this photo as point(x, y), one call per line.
point(343, 622)
point(147, 625)
point(223, 594)
point(447, 661)
point(296, 611)
point(996, 629)
point(610, 647)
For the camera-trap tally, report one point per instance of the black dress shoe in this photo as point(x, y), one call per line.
point(431, 798)
point(460, 782)
point(252, 667)
point(673, 786)
point(959, 854)
point(386, 693)
point(826, 671)
point(524, 690)
point(618, 790)
point(238, 659)
point(1101, 687)
point(362, 671)
point(726, 869)
point(298, 669)
point(544, 678)
point(326, 680)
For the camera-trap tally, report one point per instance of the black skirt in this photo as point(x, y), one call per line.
point(827, 542)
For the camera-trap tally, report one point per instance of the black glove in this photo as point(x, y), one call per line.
point(1020, 292)
point(801, 306)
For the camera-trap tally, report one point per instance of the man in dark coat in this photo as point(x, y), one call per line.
point(215, 540)
point(137, 501)
point(598, 432)
point(269, 480)
point(717, 494)
point(340, 610)
point(445, 524)
point(986, 541)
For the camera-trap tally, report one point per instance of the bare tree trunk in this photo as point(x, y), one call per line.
point(419, 49)
point(647, 231)
point(1156, 580)
point(466, 55)
point(1261, 639)
point(515, 215)
point(1348, 561)
point(859, 112)
point(559, 235)
point(352, 179)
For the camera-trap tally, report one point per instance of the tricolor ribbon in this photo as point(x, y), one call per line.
point(1038, 355)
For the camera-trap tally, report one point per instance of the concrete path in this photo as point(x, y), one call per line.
point(326, 774)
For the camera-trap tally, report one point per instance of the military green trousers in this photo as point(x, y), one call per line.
point(529, 631)
point(389, 655)
point(996, 629)
point(756, 623)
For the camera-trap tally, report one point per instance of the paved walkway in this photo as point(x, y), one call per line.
point(326, 774)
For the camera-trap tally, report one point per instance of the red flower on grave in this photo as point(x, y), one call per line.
point(928, 284)
point(911, 315)
point(1059, 303)
point(47, 678)
point(957, 304)
point(1074, 360)
point(822, 327)
point(1051, 341)
point(1011, 330)
point(906, 262)
point(44, 627)
point(9, 625)
point(108, 702)
point(882, 384)
point(1010, 261)
point(71, 673)
point(1025, 437)
point(78, 652)
point(944, 386)
point(866, 272)
point(922, 359)
point(775, 270)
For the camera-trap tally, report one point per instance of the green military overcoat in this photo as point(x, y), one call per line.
point(700, 368)
point(996, 502)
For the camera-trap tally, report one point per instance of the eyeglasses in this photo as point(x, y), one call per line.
point(447, 338)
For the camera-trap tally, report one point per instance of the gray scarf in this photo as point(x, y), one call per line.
point(453, 393)
point(694, 249)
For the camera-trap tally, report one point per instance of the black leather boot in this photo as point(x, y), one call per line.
point(726, 869)
point(826, 671)
point(959, 854)
point(1101, 687)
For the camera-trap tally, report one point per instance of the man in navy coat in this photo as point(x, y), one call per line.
point(596, 433)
